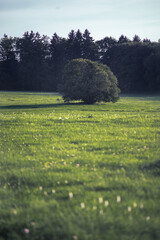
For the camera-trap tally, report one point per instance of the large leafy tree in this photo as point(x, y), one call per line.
point(34, 62)
point(77, 45)
point(88, 81)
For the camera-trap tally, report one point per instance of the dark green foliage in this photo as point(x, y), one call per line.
point(153, 168)
point(88, 81)
point(74, 47)
point(33, 69)
point(136, 38)
point(8, 64)
point(152, 72)
point(57, 59)
point(90, 49)
point(127, 63)
point(36, 63)
point(123, 39)
point(104, 45)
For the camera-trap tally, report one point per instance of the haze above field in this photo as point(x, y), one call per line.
point(101, 17)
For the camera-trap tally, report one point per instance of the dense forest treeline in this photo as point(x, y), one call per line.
point(35, 63)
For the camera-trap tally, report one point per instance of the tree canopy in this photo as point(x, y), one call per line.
point(36, 62)
point(88, 81)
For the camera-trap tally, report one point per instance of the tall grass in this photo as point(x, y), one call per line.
point(75, 171)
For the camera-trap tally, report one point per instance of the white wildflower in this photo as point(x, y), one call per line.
point(75, 237)
point(134, 204)
point(129, 209)
point(101, 212)
point(100, 200)
point(82, 205)
point(118, 198)
point(106, 203)
point(94, 207)
point(141, 205)
point(15, 212)
point(70, 195)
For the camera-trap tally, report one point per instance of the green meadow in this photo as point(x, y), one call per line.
point(79, 172)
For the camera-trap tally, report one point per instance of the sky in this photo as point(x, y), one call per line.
point(101, 17)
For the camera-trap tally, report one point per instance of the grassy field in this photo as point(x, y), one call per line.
point(79, 172)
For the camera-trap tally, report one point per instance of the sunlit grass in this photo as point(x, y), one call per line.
point(75, 171)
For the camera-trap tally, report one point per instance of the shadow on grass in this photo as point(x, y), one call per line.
point(152, 168)
point(55, 105)
point(102, 188)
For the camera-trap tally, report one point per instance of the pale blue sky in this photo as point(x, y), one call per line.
point(101, 17)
